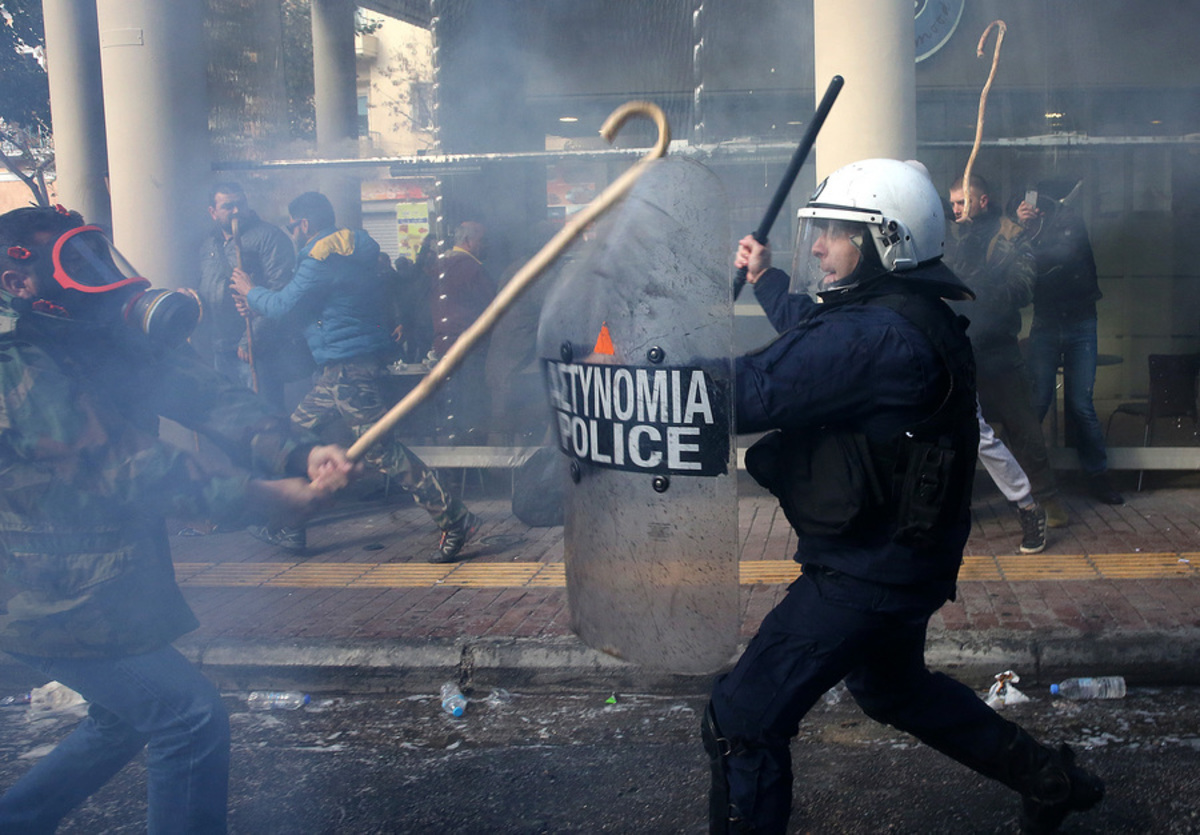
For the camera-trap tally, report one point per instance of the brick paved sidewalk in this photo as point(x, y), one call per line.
point(1124, 593)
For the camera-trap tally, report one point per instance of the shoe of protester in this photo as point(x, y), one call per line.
point(455, 538)
point(1033, 529)
point(293, 540)
point(1056, 514)
point(1102, 489)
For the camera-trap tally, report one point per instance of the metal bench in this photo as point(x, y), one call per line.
point(463, 458)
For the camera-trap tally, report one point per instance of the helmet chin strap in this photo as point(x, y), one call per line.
point(869, 267)
point(864, 273)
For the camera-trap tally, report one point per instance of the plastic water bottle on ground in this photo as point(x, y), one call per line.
point(453, 701)
point(1100, 687)
point(276, 700)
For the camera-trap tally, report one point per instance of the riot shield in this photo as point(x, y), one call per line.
point(636, 340)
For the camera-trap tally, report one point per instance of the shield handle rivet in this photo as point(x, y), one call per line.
point(575, 474)
point(566, 352)
point(661, 483)
point(656, 355)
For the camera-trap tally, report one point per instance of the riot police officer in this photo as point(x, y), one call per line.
point(871, 399)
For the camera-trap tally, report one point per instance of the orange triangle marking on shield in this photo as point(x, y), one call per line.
point(604, 342)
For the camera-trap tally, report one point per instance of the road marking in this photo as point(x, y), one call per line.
point(1014, 568)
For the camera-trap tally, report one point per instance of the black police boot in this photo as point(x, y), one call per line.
point(770, 803)
point(722, 817)
point(1050, 783)
point(1059, 789)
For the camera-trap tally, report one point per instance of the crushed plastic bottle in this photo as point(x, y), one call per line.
point(499, 696)
point(834, 694)
point(453, 701)
point(19, 699)
point(55, 697)
point(276, 700)
point(1100, 687)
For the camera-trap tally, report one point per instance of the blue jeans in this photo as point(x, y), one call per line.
point(1075, 343)
point(159, 701)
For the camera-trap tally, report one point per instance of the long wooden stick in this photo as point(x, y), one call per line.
point(528, 273)
point(237, 251)
point(1001, 28)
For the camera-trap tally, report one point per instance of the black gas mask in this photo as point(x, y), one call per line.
point(88, 279)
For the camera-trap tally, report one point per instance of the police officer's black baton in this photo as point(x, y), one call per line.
point(789, 176)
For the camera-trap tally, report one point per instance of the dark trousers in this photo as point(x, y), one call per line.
point(1006, 400)
point(831, 627)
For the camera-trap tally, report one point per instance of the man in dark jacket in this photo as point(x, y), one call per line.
point(411, 318)
point(873, 399)
point(338, 291)
point(462, 291)
point(271, 353)
point(87, 589)
point(990, 253)
point(1065, 292)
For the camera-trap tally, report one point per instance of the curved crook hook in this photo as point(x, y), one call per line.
point(528, 273)
point(1002, 27)
point(617, 119)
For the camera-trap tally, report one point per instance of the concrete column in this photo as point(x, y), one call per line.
point(77, 107)
point(870, 43)
point(156, 109)
point(335, 98)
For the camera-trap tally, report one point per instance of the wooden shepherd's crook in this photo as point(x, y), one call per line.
point(1002, 28)
point(237, 251)
point(528, 273)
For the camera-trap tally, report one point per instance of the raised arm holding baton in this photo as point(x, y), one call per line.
point(793, 169)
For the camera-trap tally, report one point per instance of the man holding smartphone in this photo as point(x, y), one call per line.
point(1065, 292)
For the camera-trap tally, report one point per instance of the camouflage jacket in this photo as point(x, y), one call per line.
point(86, 484)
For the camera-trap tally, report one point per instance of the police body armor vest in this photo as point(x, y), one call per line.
point(917, 484)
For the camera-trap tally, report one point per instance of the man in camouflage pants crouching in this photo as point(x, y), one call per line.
point(342, 299)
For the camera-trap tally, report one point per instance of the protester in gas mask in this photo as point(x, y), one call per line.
point(90, 359)
point(872, 396)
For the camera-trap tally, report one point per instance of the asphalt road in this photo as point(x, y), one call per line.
point(531, 762)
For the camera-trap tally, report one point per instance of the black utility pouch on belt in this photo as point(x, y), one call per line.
point(925, 479)
point(825, 482)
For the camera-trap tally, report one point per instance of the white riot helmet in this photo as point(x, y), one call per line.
point(891, 202)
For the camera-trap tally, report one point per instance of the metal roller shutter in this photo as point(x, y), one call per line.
point(379, 221)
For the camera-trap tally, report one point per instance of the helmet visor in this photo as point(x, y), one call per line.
point(826, 255)
point(86, 260)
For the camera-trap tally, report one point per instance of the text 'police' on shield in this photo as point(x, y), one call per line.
point(659, 420)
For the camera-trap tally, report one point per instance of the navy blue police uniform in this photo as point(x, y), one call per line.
point(872, 398)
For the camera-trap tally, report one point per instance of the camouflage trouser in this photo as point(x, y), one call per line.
point(353, 392)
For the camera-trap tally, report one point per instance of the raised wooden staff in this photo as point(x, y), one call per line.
point(1002, 28)
point(528, 273)
point(237, 251)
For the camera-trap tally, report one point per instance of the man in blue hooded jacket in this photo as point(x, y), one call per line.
point(339, 293)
